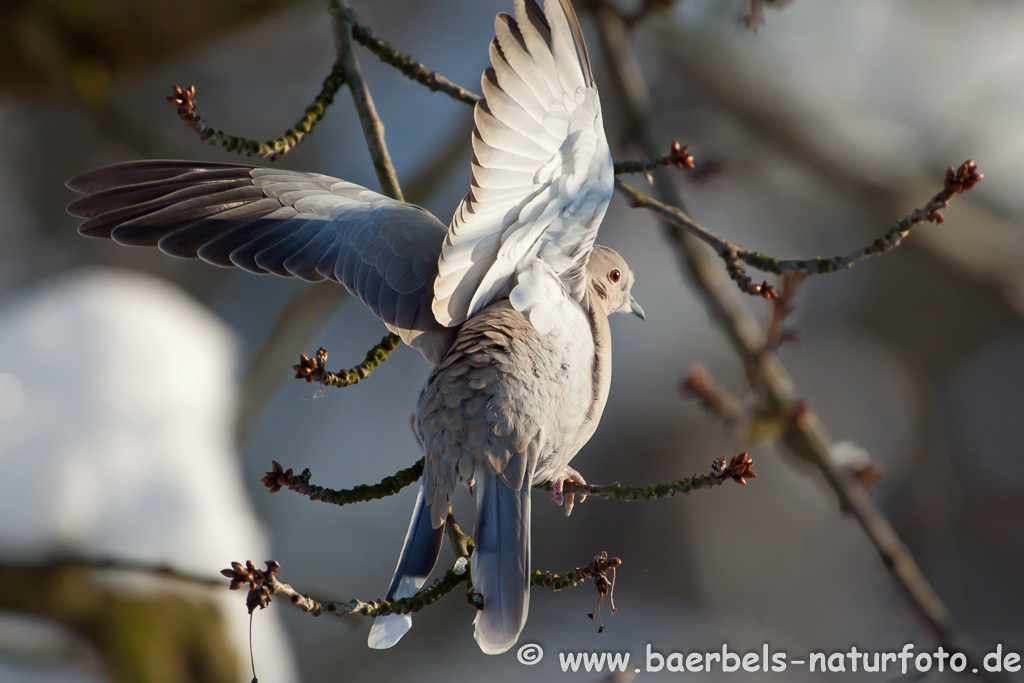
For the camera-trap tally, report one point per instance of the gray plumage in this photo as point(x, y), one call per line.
point(510, 302)
point(289, 223)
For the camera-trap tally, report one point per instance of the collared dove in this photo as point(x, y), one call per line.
point(510, 303)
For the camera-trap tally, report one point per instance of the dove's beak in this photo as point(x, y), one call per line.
point(637, 309)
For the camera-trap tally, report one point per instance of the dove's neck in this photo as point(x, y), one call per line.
point(602, 372)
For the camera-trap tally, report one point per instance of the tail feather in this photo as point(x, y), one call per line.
point(419, 555)
point(501, 561)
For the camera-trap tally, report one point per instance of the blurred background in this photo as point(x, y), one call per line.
point(142, 397)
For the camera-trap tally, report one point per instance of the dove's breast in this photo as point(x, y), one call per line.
point(508, 399)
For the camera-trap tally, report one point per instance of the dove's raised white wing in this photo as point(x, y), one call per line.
point(542, 172)
point(288, 223)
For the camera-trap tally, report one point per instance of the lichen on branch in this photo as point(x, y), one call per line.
point(737, 469)
point(314, 369)
point(278, 478)
point(263, 585)
point(958, 180)
point(184, 99)
point(408, 66)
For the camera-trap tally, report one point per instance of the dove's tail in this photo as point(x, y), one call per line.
point(501, 562)
point(419, 554)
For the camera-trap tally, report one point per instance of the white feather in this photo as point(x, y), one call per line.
point(541, 295)
point(542, 171)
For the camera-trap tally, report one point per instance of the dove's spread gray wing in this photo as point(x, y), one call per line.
point(289, 223)
point(542, 172)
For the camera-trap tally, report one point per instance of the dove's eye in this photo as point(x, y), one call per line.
point(615, 275)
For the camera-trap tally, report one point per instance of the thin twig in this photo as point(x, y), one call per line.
point(184, 100)
point(315, 369)
point(595, 570)
point(737, 469)
point(373, 130)
point(678, 156)
point(408, 66)
point(782, 307)
point(699, 385)
point(264, 585)
point(278, 478)
point(957, 181)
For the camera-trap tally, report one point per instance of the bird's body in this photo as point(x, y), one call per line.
point(502, 411)
point(507, 400)
point(510, 302)
point(508, 407)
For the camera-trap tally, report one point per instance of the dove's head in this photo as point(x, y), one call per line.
point(610, 281)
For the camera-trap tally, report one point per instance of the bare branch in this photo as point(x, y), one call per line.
point(737, 469)
point(314, 369)
point(782, 307)
point(678, 156)
point(184, 100)
point(595, 570)
point(264, 585)
point(373, 130)
point(408, 66)
point(278, 478)
point(699, 385)
point(957, 181)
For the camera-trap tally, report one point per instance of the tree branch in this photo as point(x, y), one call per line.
point(264, 585)
point(278, 478)
point(737, 469)
point(957, 181)
point(373, 130)
point(314, 369)
point(408, 66)
point(595, 570)
point(184, 100)
point(678, 156)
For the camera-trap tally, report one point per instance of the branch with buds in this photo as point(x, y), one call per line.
point(278, 478)
point(264, 585)
point(314, 369)
point(699, 385)
point(958, 180)
point(737, 469)
point(406, 65)
point(678, 156)
point(184, 100)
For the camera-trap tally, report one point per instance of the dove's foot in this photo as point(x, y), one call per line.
point(567, 499)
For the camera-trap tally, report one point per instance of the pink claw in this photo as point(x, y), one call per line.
point(567, 499)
